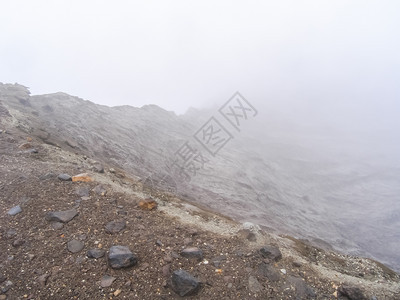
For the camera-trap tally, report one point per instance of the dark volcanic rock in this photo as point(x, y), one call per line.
point(271, 252)
point(98, 168)
point(75, 246)
point(217, 261)
point(95, 253)
point(192, 252)
point(303, 291)
point(18, 243)
point(121, 257)
point(351, 292)
point(100, 190)
point(65, 177)
point(61, 216)
point(184, 284)
point(254, 285)
point(268, 271)
point(83, 191)
point(115, 226)
point(15, 210)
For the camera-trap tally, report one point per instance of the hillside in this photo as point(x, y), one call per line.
point(120, 148)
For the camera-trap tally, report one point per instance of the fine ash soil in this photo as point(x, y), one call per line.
point(36, 264)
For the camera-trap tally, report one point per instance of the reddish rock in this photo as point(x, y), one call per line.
point(84, 177)
point(148, 204)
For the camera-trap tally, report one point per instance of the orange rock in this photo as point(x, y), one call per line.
point(29, 139)
point(148, 204)
point(84, 177)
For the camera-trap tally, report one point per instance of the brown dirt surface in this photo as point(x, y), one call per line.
point(35, 259)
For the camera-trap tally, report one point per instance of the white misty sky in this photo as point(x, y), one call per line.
point(311, 56)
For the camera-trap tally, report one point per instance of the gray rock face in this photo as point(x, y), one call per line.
point(184, 284)
point(121, 257)
point(65, 177)
point(115, 226)
point(61, 216)
point(271, 252)
point(15, 210)
point(75, 246)
point(95, 253)
point(352, 293)
point(192, 252)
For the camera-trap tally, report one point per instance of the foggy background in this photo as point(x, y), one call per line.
point(336, 58)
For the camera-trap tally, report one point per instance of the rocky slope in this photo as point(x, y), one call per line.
point(313, 187)
point(44, 136)
point(58, 234)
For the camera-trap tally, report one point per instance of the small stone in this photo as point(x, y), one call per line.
point(75, 246)
point(61, 216)
point(82, 237)
point(15, 210)
point(42, 280)
point(84, 177)
point(187, 241)
point(303, 291)
point(230, 285)
point(115, 226)
point(268, 271)
point(11, 233)
point(31, 256)
point(57, 225)
point(297, 264)
point(247, 234)
point(166, 270)
point(2, 278)
point(6, 287)
point(271, 252)
point(217, 261)
point(117, 292)
point(47, 176)
point(112, 170)
point(144, 267)
point(192, 252)
point(33, 150)
point(82, 191)
point(184, 284)
point(121, 257)
point(283, 271)
point(148, 204)
point(107, 281)
point(3, 297)
point(64, 177)
point(18, 243)
point(254, 285)
point(95, 253)
point(352, 292)
point(100, 190)
point(98, 168)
